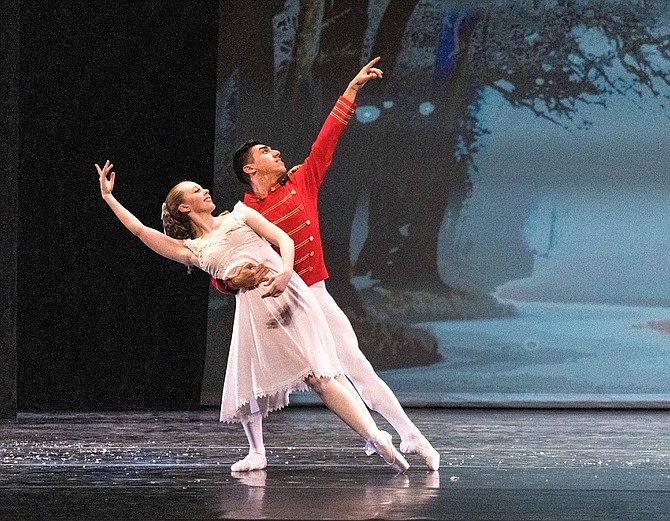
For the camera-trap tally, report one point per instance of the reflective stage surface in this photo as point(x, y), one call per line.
point(497, 464)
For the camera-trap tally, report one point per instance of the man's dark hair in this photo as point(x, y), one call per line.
point(241, 159)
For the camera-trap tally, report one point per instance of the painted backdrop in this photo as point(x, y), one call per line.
point(496, 219)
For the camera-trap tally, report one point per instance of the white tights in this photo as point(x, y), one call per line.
point(338, 395)
point(256, 459)
point(371, 388)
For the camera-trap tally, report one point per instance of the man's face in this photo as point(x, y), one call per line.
point(267, 161)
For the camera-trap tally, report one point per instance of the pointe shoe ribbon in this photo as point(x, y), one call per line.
point(369, 448)
point(383, 446)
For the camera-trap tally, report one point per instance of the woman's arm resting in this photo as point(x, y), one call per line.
point(276, 284)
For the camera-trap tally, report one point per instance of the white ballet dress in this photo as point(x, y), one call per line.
point(276, 341)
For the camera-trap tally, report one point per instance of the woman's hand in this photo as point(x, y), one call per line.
point(106, 185)
point(277, 284)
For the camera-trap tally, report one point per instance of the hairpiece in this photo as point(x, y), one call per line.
point(164, 212)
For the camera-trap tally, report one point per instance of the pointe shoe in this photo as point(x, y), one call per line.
point(252, 461)
point(424, 449)
point(383, 446)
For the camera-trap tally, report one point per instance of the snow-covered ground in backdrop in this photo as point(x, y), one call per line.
point(548, 353)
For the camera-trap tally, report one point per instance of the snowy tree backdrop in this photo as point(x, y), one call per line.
point(514, 153)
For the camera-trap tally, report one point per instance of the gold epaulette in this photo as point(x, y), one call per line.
point(293, 169)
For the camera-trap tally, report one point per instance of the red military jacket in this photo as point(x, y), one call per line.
point(293, 205)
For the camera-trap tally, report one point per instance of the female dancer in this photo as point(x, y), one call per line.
point(279, 344)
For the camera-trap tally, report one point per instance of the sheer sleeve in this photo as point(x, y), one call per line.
point(238, 212)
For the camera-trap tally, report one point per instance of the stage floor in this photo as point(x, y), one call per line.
point(497, 464)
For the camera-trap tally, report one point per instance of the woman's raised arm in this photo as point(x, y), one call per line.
point(173, 249)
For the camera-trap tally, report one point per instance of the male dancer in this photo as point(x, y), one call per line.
point(289, 200)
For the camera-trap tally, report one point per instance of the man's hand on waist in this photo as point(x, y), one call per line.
point(248, 277)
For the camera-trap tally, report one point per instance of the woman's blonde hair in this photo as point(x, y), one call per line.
point(176, 224)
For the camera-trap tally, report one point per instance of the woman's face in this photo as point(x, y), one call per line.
point(195, 198)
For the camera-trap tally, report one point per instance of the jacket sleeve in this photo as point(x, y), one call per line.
point(321, 154)
point(221, 286)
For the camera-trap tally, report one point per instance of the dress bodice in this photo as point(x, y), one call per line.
point(224, 250)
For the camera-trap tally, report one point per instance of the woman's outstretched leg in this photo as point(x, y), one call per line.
point(256, 459)
point(372, 389)
point(339, 399)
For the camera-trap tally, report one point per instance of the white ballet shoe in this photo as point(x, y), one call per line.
point(424, 449)
point(252, 461)
point(383, 446)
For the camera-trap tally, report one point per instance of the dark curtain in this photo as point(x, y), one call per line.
point(104, 323)
point(9, 147)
